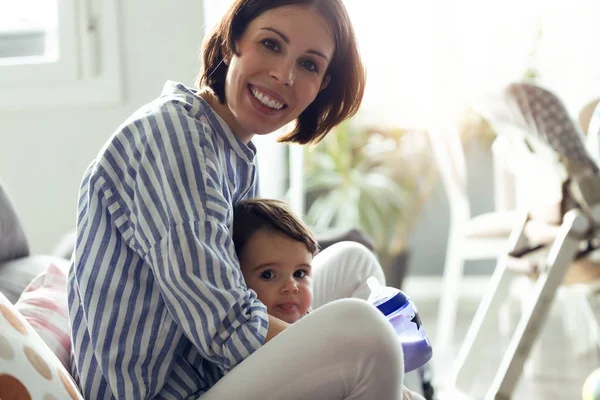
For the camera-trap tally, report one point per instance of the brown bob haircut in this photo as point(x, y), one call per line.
point(335, 103)
point(251, 216)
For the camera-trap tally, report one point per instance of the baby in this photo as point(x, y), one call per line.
point(275, 249)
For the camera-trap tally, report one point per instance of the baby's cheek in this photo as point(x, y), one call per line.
point(308, 299)
point(262, 295)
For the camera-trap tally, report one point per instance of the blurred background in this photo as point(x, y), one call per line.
point(72, 71)
point(419, 169)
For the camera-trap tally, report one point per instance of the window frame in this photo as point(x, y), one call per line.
point(88, 68)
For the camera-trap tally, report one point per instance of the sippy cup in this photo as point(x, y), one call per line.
point(404, 317)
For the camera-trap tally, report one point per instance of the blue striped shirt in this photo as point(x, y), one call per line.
point(157, 302)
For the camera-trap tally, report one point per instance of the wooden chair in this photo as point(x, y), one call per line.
point(551, 254)
point(479, 237)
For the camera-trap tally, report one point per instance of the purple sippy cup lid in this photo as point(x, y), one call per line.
point(386, 299)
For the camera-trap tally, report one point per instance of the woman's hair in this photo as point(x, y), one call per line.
point(335, 103)
point(250, 216)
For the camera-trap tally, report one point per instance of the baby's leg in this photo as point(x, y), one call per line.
point(341, 271)
point(343, 350)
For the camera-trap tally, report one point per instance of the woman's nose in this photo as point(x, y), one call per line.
point(283, 72)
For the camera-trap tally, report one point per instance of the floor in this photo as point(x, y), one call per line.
point(562, 376)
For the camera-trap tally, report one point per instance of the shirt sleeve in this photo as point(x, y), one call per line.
point(205, 293)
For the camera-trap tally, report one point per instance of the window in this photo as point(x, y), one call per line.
point(58, 52)
point(28, 30)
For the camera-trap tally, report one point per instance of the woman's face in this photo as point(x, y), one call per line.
point(283, 56)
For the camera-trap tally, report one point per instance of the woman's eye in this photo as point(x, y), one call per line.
point(271, 44)
point(268, 275)
point(300, 273)
point(309, 65)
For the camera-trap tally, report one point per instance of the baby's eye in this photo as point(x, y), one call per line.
point(271, 44)
point(267, 275)
point(301, 273)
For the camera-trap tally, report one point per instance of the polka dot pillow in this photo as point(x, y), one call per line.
point(44, 306)
point(28, 368)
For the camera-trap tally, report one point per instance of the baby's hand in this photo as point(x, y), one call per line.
point(406, 395)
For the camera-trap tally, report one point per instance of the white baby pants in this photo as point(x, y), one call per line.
point(345, 349)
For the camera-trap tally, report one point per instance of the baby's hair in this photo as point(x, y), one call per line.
point(250, 216)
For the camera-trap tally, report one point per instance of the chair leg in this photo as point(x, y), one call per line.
point(468, 363)
point(512, 309)
point(562, 253)
point(450, 295)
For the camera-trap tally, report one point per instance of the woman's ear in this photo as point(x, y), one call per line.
point(325, 82)
point(228, 53)
point(226, 57)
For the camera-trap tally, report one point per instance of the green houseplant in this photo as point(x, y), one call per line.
point(377, 179)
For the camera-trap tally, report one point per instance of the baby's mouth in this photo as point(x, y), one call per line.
point(288, 307)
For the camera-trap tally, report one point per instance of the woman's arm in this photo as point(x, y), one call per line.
point(172, 199)
point(276, 326)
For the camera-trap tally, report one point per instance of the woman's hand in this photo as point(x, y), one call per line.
point(276, 326)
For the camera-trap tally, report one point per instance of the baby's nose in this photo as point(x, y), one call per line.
point(290, 286)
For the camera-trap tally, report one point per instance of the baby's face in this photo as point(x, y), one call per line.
point(278, 269)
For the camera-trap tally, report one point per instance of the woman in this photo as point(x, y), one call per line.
point(158, 304)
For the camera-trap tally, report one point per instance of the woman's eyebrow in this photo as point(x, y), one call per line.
point(283, 37)
point(287, 40)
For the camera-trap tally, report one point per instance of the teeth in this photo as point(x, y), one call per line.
point(264, 99)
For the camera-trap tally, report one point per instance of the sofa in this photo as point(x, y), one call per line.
point(34, 325)
point(17, 266)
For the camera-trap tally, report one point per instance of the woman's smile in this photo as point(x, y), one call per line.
point(267, 97)
point(268, 104)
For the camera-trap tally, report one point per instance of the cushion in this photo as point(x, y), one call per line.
point(497, 224)
point(44, 306)
point(15, 275)
point(65, 246)
point(13, 243)
point(28, 368)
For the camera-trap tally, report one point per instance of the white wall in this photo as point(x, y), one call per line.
point(43, 152)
